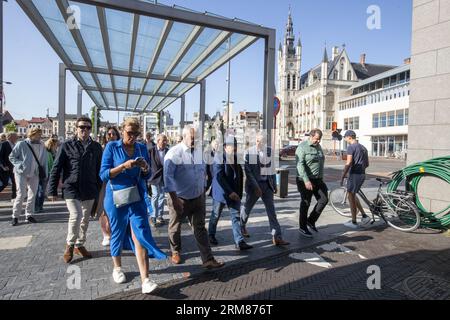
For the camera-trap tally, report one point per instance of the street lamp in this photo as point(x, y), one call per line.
point(1, 65)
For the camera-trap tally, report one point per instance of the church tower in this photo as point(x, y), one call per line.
point(289, 66)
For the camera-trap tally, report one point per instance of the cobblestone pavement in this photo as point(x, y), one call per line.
point(31, 265)
point(411, 266)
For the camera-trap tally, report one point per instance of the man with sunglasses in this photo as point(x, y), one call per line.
point(78, 161)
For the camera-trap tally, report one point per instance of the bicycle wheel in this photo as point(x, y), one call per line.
point(400, 214)
point(339, 202)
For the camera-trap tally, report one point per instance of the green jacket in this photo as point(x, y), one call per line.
point(310, 161)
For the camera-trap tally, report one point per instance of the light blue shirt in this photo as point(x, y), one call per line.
point(184, 173)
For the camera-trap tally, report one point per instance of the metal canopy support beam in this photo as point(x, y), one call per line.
point(183, 16)
point(105, 37)
point(95, 122)
point(269, 86)
point(162, 40)
point(132, 52)
point(183, 112)
point(62, 101)
point(34, 15)
point(78, 38)
point(133, 74)
point(124, 91)
point(202, 107)
point(183, 51)
point(224, 36)
point(79, 101)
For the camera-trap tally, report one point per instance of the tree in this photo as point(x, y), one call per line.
point(99, 117)
point(11, 127)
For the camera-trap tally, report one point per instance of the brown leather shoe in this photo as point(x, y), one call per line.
point(68, 254)
point(81, 251)
point(280, 242)
point(176, 258)
point(213, 264)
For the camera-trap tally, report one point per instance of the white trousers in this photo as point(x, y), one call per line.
point(23, 183)
point(79, 214)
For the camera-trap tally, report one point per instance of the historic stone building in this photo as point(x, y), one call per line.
point(310, 99)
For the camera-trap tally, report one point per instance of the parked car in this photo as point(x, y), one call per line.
point(288, 151)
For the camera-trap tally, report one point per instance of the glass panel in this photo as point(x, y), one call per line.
point(167, 86)
point(120, 27)
point(151, 85)
point(52, 16)
point(180, 88)
point(391, 119)
point(105, 80)
point(400, 117)
point(167, 103)
point(172, 46)
point(154, 103)
point(406, 117)
point(143, 102)
point(147, 39)
point(218, 54)
point(136, 83)
point(92, 36)
point(87, 77)
point(121, 82)
point(199, 46)
point(110, 97)
point(375, 120)
point(121, 99)
point(132, 99)
point(383, 120)
point(98, 97)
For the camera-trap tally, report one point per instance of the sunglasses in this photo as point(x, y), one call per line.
point(85, 127)
point(133, 133)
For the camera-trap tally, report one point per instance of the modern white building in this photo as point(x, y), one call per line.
point(378, 111)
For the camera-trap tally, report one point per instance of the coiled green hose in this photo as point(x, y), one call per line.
point(437, 168)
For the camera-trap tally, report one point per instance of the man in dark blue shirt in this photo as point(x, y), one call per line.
point(357, 162)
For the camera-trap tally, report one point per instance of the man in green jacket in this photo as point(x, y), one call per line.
point(310, 165)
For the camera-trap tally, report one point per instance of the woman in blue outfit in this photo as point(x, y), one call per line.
point(130, 229)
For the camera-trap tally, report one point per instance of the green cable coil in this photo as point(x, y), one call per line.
point(437, 168)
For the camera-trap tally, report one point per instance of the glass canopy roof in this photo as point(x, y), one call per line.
point(132, 61)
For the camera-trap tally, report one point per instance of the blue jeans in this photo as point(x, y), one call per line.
point(158, 198)
point(235, 221)
point(267, 198)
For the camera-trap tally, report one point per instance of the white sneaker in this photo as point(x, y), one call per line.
point(148, 286)
point(351, 225)
point(106, 241)
point(366, 220)
point(119, 276)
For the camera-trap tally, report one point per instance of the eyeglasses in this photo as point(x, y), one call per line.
point(111, 134)
point(85, 127)
point(133, 133)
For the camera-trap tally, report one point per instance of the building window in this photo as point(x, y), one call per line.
point(406, 117)
point(329, 124)
point(349, 76)
point(335, 75)
point(400, 117)
point(291, 110)
point(383, 120)
point(288, 82)
point(356, 123)
point(294, 80)
point(376, 120)
point(391, 119)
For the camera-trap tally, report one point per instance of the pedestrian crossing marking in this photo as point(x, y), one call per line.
point(311, 258)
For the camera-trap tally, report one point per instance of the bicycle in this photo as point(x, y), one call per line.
point(396, 209)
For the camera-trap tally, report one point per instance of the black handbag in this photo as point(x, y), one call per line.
point(42, 174)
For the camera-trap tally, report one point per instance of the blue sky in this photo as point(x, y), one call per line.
point(32, 66)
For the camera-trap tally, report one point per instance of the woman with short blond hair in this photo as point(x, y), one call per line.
point(27, 156)
point(125, 166)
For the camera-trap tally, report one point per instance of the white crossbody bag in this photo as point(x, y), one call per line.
point(126, 196)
